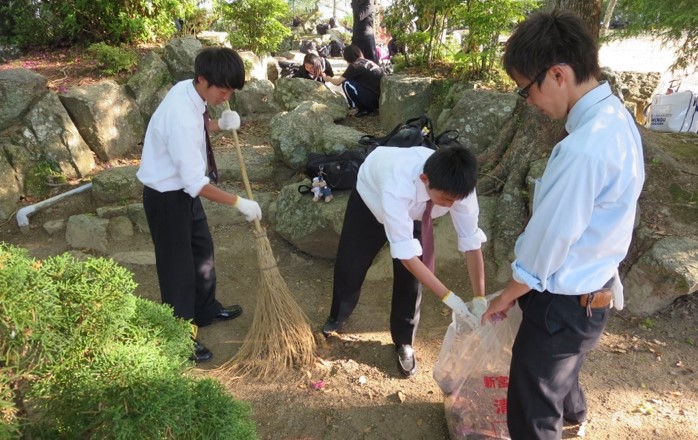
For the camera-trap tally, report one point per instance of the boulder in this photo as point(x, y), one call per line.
point(179, 56)
point(117, 185)
point(150, 84)
point(291, 92)
point(86, 231)
point(403, 97)
point(257, 97)
point(19, 89)
point(107, 117)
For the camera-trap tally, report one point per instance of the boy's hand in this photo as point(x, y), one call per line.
point(478, 306)
point(229, 120)
point(459, 307)
point(249, 208)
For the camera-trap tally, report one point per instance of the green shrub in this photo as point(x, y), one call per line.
point(37, 23)
point(256, 25)
point(112, 60)
point(88, 359)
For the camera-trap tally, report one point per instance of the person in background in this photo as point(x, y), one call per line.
point(361, 81)
point(315, 68)
point(397, 191)
point(565, 272)
point(363, 34)
point(175, 176)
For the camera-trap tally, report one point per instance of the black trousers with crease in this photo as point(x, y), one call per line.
point(547, 356)
point(183, 254)
point(361, 239)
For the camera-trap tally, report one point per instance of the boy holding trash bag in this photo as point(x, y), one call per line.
point(565, 274)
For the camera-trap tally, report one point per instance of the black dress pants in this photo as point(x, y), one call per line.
point(361, 239)
point(183, 254)
point(548, 352)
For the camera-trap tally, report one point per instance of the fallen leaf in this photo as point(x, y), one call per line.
point(401, 396)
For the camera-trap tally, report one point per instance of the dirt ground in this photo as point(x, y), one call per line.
point(641, 381)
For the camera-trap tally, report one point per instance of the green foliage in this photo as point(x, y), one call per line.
point(88, 359)
point(256, 25)
point(670, 22)
point(648, 324)
point(111, 59)
point(39, 178)
point(424, 27)
point(86, 21)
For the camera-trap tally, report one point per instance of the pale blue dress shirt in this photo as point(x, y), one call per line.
point(585, 203)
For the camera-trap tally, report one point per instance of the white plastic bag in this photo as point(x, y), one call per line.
point(675, 112)
point(473, 372)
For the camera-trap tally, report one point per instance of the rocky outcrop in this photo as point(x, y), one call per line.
point(19, 89)
point(289, 93)
point(307, 128)
point(107, 118)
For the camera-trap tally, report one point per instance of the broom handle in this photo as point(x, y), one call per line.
point(245, 180)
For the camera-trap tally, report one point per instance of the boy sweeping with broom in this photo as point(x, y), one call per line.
point(177, 168)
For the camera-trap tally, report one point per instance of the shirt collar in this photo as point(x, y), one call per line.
point(594, 96)
point(199, 103)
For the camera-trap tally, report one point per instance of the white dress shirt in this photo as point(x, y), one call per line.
point(174, 149)
point(584, 205)
point(389, 184)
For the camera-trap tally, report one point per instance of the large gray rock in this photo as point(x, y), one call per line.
point(107, 118)
point(313, 227)
point(10, 191)
point(665, 272)
point(403, 97)
point(308, 128)
point(179, 57)
point(477, 115)
point(148, 84)
point(256, 97)
point(87, 232)
point(118, 184)
point(291, 92)
point(19, 88)
point(51, 128)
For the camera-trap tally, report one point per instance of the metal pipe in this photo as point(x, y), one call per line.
point(24, 213)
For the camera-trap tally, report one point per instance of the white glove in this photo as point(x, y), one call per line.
point(460, 309)
point(229, 120)
point(249, 208)
point(478, 306)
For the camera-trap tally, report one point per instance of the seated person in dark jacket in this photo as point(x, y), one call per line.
point(314, 67)
point(361, 81)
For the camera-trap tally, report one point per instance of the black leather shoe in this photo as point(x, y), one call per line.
point(406, 361)
point(201, 353)
point(226, 314)
point(331, 326)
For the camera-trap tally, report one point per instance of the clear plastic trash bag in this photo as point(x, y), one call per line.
point(473, 372)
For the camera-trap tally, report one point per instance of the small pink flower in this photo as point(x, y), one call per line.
point(320, 384)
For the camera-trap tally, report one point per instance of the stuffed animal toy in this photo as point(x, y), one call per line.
point(321, 189)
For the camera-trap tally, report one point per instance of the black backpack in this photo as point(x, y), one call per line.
point(411, 133)
point(338, 169)
point(336, 48)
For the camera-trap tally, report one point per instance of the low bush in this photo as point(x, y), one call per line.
point(83, 357)
point(111, 59)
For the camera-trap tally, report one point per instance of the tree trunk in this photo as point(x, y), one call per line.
point(607, 16)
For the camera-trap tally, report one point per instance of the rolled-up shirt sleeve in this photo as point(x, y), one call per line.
point(399, 227)
point(464, 215)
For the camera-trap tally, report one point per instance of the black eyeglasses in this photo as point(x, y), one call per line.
point(524, 92)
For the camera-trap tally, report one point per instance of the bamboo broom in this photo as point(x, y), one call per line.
point(280, 337)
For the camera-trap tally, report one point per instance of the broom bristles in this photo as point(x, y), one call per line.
point(280, 337)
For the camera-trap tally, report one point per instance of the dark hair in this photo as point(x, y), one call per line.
point(316, 61)
point(453, 170)
point(546, 39)
point(352, 53)
point(220, 66)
